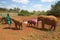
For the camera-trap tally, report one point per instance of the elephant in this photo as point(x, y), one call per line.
point(49, 20)
point(3, 20)
point(30, 22)
point(18, 24)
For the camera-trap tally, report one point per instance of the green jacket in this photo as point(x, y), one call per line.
point(8, 19)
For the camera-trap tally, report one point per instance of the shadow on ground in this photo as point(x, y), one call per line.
point(42, 29)
point(29, 27)
point(11, 28)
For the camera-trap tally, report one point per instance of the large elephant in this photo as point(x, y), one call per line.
point(49, 20)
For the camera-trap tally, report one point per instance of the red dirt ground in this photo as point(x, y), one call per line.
point(28, 33)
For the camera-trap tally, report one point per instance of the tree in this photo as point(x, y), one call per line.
point(10, 10)
point(3, 9)
point(55, 9)
point(16, 9)
point(25, 13)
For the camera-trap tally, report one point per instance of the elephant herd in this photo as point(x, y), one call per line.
point(49, 20)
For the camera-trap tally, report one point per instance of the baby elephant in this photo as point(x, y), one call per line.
point(50, 20)
point(3, 20)
point(17, 24)
point(30, 22)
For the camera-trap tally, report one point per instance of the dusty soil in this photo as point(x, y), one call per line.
point(28, 33)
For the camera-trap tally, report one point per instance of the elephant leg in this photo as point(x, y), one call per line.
point(35, 25)
point(19, 27)
point(16, 26)
point(28, 24)
point(51, 27)
point(42, 25)
point(54, 28)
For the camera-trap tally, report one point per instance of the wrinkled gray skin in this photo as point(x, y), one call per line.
point(49, 20)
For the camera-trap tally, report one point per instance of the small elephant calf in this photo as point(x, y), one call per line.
point(17, 24)
point(30, 22)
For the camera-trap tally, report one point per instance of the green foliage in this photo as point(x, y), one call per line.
point(39, 13)
point(25, 13)
point(3, 9)
point(10, 10)
point(43, 13)
point(16, 10)
point(55, 9)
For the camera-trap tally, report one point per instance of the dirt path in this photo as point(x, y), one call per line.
point(28, 33)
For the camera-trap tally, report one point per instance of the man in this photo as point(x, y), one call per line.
point(8, 20)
